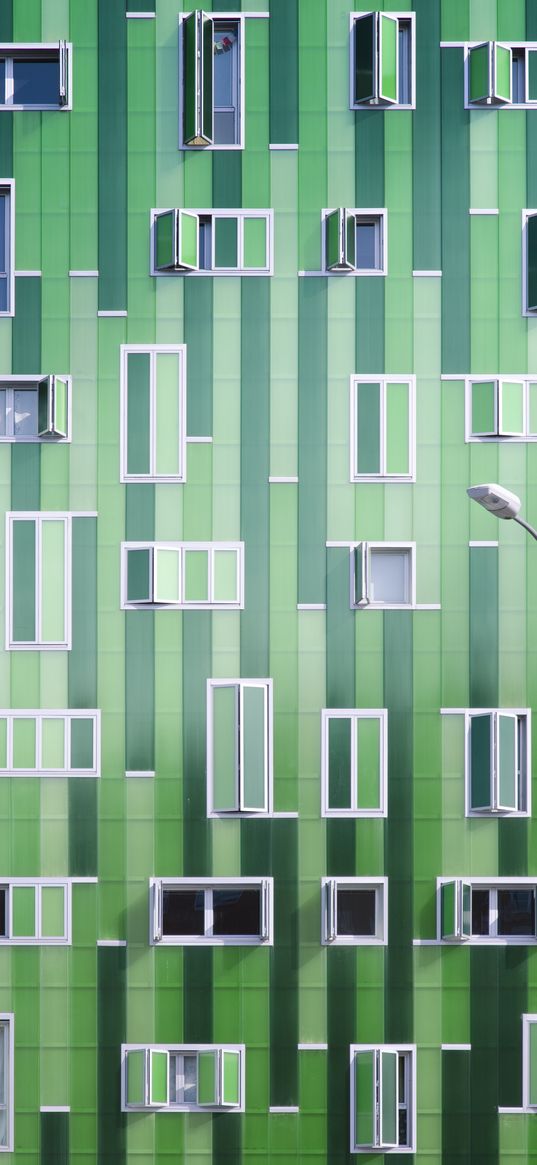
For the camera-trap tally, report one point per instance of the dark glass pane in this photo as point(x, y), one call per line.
point(356, 912)
point(3, 231)
point(183, 912)
point(224, 127)
point(480, 911)
point(2, 82)
point(405, 62)
point(226, 82)
point(518, 77)
point(366, 249)
point(36, 82)
point(236, 912)
point(3, 293)
point(516, 911)
point(3, 912)
point(205, 236)
point(403, 1127)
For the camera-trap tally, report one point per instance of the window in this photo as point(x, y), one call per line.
point(153, 413)
point(35, 409)
point(355, 241)
point(197, 575)
point(35, 76)
point(501, 74)
point(7, 1044)
point(224, 242)
point(501, 910)
point(49, 743)
point(383, 65)
point(355, 910)
point(383, 1098)
point(36, 911)
point(188, 1077)
point(529, 262)
point(239, 746)
point(529, 1062)
point(213, 911)
point(498, 762)
point(211, 85)
point(354, 762)
point(383, 575)
point(7, 248)
point(383, 424)
point(501, 408)
point(38, 580)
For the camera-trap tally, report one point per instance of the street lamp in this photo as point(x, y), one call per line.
point(501, 502)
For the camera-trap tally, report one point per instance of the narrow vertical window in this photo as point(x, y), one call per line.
point(354, 762)
point(153, 414)
point(211, 92)
point(383, 430)
point(7, 261)
point(38, 581)
point(6, 1082)
point(239, 746)
point(382, 63)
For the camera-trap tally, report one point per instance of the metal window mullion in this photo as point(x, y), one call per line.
point(37, 911)
point(9, 927)
point(240, 242)
point(152, 414)
point(9, 81)
point(365, 571)
point(208, 912)
point(67, 743)
point(10, 404)
point(354, 762)
point(38, 720)
point(212, 219)
point(383, 420)
point(525, 408)
point(493, 912)
point(495, 754)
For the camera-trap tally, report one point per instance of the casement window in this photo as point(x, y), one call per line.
point(212, 80)
point(354, 911)
point(188, 1077)
point(354, 762)
point(383, 65)
point(35, 76)
point(529, 262)
point(153, 413)
point(501, 408)
point(501, 910)
point(37, 911)
point(49, 743)
point(7, 248)
point(383, 575)
point(222, 242)
point(7, 1046)
point(355, 241)
point(501, 74)
point(498, 762)
point(529, 1062)
point(239, 747)
point(383, 1098)
point(193, 575)
point(35, 408)
point(211, 911)
point(383, 428)
point(38, 580)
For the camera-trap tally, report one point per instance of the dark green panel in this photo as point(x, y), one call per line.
point(485, 1055)
point(256, 847)
point(6, 20)
point(227, 1140)
point(484, 626)
point(369, 324)
point(26, 327)
point(82, 748)
point(138, 418)
point(23, 582)
point(513, 1002)
point(255, 428)
point(111, 1022)
point(112, 167)
point(139, 691)
point(513, 847)
point(341, 1004)
point(531, 124)
point(82, 659)
point(455, 219)
point(283, 44)
point(340, 689)
point(398, 688)
point(369, 157)
point(312, 434)
point(284, 1029)
point(198, 334)
point(456, 1108)
point(83, 845)
point(227, 178)
point(138, 6)
point(426, 139)
point(198, 995)
point(25, 477)
point(139, 512)
point(54, 1130)
point(197, 667)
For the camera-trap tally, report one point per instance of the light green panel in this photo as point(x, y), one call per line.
point(83, 368)
point(483, 160)
point(399, 283)
point(511, 197)
point(284, 625)
point(83, 228)
point(55, 20)
point(226, 408)
point(225, 846)
point(283, 329)
point(483, 19)
point(169, 501)
point(256, 160)
point(54, 828)
point(28, 190)
point(312, 135)
point(198, 497)
point(484, 294)
point(340, 362)
point(169, 309)
point(340, 121)
point(167, 122)
point(311, 829)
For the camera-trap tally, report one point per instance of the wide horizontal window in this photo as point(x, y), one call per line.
point(382, 59)
point(212, 80)
point(383, 1098)
point(188, 1077)
point(35, 408)
point(239, 746)
point(384, 575)
point(35, 76)
point(215, 242)
point(153, 413)
point(355, 241)
point(214, 911)
point(354, 762)
point(49, 743)
point(38, 580)
point(196, 575)
point(354, 910)
point(500, 911)
point(35, 912)
point(501, 74)
point(383, 424)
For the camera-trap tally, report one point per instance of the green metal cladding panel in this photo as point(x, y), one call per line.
point(269, 427)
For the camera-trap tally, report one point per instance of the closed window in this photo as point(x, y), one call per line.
point(7, 1045)
point(529, 261)
point(219, 242)
point(153, 413)
point(382, 59)
point(501, 408)
point(355, 241)
point(383, 575)
point(212, 79)
point(34, 76)
point(35, 409)
point(35, 912)
point(501, 74)
point(49, 743)
point(383, 429)
point(500, 911)
point(188, 1077)
point(212, 912)
point(7, 248)
point(529, 1062)
point(354, 911)
point(497, 762)
point(239, 746)
point(383, 1098)
point(354, 758)
point(197, 575)
point(38, 580)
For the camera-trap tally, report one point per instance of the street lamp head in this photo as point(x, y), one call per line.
point(496, 499)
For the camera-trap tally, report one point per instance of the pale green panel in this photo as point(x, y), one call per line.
point(225, 644)
point(169, 309)
point(484, 291)
point(483, 846)
point(398, 514)
point(511, 20)
point(255, 159)
point(511, 197)
point(283, 316)
point(198, 495)
point(5, 503)
point(169, 178)
point(83, 369)
point(340, 120)
point(53, 679)
point(198, 1140)
point(169, 502)
point(514, 594)
point(452, 728)
point(369, 649)
point(340, 362)
point(168, 702)
point(28, 189)
point(369, 512)
point(140, 1135)
point(427, 326)
point(55, 20)
point(483, 160)
point(283, 663)
point(226, 844)
point(428, 1024)
point(482, 19)
point(312, 995)
point(54, 841)
point(399, 282)
point(226, 408)
point(140, 811)
point(5, 342)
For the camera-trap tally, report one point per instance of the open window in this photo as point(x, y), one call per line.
point(354, 761)
point(383, 575)
point(186, 911)
point(153, 413)
point(529, 219)
point(456, 910)
point(225, 242)
point(383, 1098)
point(35, 76)
point(7, 248)
point(382, 59)
point(147, 1078)
point(354, 911)
point(7, 1046)
point(183, 1077)
point(239, 746)
point(197, 575)
point(355, 241)
point(35, 408)
point(489, 74)
point(497, 764)
point(212, 80)
point(501, 407)
point(383, 426)
point(499, 911)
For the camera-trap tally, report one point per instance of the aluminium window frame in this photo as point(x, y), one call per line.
point(39, 714)
point(523, 716)
point(207, 886)
point(39, 516)
point(222, 17)
point(527, 212)
point(329, 893)
point(499, 438)
point(380, 214)
point(354, 714)
point(183, 1049)
point(64, 48)
point(7, 186)
point(38, 883)
point(410, 547)
point(153, 350)
point(239, 685)
point(410, 1053)
point(383, 380)
point(529, 1019)
point(508, 44)
point(7, 1019)
point(482, 883)
point(240, 213)
point(184, 605)
point(19, 381)
point(411, 17)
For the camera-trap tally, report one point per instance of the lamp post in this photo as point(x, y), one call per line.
point(500, 502)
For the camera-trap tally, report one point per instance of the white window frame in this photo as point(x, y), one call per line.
point(153, 350)
point(394, 478)
point(528, 1018)
point(182, 1049)
point(508, 44)
point(526, 213)
point(239, 18)
point(206, 886)
point(411, 17)
point(409, 1051)
point(32, 382)
point(508, 438)
point(9, 50)
point(7, 186)
point(40, 714)
point(183, 605)
point(240, 685)
point(329, 892)
point(39, 516)
point(7, 1019)
point(240, 213)
point(410, 547)
point(354, 714)
point(378, 213)
point(38, 884)
point(522, 714)
point(492, 884)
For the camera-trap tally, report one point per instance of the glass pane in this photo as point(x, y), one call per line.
point(2, 82)
point(207, 1090)
point(3, 922)
point(3, 1126)
point(480, 912)
point(25, 412)
point(135, 1077)
point(226, 83)
point(356, 912)
point(225, 570)
point(3, 1050)
point(236, 912)
point(533, 1063)
point(231, 1075)
point(503, 73)
point(364, 57)
point(36, 82)
point(138, 412)
point(190, 1079)
point(3, 399)
point(225, 242)
point(483, 412)
point(507, 758)
point(3, 742)
point(24, 743)
point(53, 743)
point(139, 584)
point(405, 62)
point(480, 761)
point(388, 60)
point(479, 72)
point(23, 578)
point(255, 242)
point(167, 434)
point(448, 901)
point(532, 74)
point(167, 567)
point(3, 231)
point(533, 407)
point(52, 581)
point(196, 576)
point(183, 912)
point(516, 911)
point(52, 912)
point(368, 437)
point(3, 289)
point(366, 245)
point(253, 747)
point(368, 758)
point(365, 1099)
point(82, 743)
point(397, 428)
point(165, 235)
point(23, 898)
point(339, 762)
point(225, 760)
point(389, 1073)
point(512, 414)
point(389, 571)
point(159, 1077)
point(518, 76)
point(188, 239)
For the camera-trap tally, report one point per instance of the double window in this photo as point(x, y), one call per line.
point(38, 580)
point(355, 911)
point(222, 242)
point(194, 575)
point(239, 746)
point(501, 910)
point(501, 74)
point(49, 743)
point(354, 762)
point(7, 248)
point(35, 409)
point(7, 1045)
point(383, 65)
point(383, 1098)
point(501, 408)
point(36, 911)
point(383, 428)
point(355, 241)
point(35, 76)
point(153, 413)
point(211, 84)
point(498, 762)
point(187, 1077)
point(383, 575)
point(214, 911)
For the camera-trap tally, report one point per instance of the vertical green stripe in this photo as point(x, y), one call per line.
point(227, 178)
point(484, 665)
point(485, 1055)
point(369, 293)
point(197, 668)
point(111, 1020)
point(83, 844)
point(255, 428)
point(112, 156)
point(82, 661)
point(284, 966)
point(26, 341)
point(455, 218)
point(426, 139)
point(531, 124)
point(312, 435)
point(398, 699)
point(283, 40)
point(54, 1138)
point(6, 136)
point(198, 333)
point(341, 1026)
point(140, 646)
point(456, 1108)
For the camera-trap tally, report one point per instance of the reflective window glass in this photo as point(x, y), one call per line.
point(35, 82)
point(236, 912)
point(183, 912)
point(25, 410)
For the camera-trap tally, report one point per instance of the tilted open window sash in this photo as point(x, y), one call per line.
point(156, 904)
point(198, 82)
point(361, 575)
point(148, 1078)
point(490, 74)
point(496, 751)
point(153, 575)
point(376, 1099)
point(64, 73)
point(340, 240)
point(219, 1078)
point(177, 240)
point(498, 408)
point(456, 910)
point(376, 59)
point(531, 262)
point(240, 747)
point(52, 407)
point(330, 906)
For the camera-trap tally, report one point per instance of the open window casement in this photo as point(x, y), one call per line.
point(148, 1078)
point(64, 73)
point(219, 1078)
point(156, 904)
point(376, 58)
point(376, 1099)
point(340, 240)
point(140, 575)
point(494, 762)
point(265, 909)
point(330, 906)
point(52, 407)
point(166, 575)
point(198, 104)
point(489, 73)
point(361, 575)
point(531, 262)
point(456, 910)
point(177, 240)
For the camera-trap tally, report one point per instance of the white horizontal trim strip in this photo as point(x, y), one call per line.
point(483, 211)
point(28, 274)
point(140, 773)
point(426, 274)
point(104, 314)
point(501, 1110)
point(55, 1108)
point(475, 542)
point(284, 813)
point(140, 15)
point(84, 274)
point(453, 44)
point(282, 146)
point(313, 1047)
point(199, 440)
point(339, 274)
point(487, 708)
point(84, 881)
point(111, 942)
point(456, 1047)
point(283, 480)
point(311, 606)
point(280, 1108)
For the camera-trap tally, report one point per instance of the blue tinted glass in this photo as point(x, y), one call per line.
point(2, 82)
point(35, 82)
point(225, 47)
point(366, 234)
point(3, 229)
